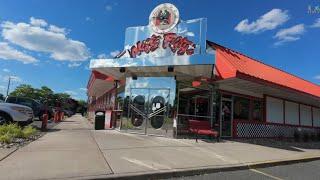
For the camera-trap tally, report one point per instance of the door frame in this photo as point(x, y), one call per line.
point(147, 111)
point(220, 116)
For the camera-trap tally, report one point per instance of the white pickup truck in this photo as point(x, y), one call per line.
point(15, 113)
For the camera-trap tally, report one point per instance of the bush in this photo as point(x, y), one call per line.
point(10, 131)
point(305, 137)
point(6, 138)
point(29, 131)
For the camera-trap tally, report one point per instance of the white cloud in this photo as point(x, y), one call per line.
point(75, 64)
point(57, 29)
point(108, 7)
point(317, 77)
point(71, 93)
point(9, 53)
point(2, 89)
point(38, 22)
point(316, 24)
point(6, 70)
point(102, 56)
point(89, 19)
point(12, 79)
point(48, 40)
point(289, 34)
point(268, 21)
point(114, 53)
point(83, 89)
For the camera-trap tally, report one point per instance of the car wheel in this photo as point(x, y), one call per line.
point(4, 118)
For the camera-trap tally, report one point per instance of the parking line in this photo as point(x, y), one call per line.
point(263, 173)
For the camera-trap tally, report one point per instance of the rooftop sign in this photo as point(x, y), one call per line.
point(166, 35)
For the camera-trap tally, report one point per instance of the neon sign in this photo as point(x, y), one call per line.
point(177, 44)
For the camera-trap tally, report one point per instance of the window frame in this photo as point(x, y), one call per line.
point(251, 99)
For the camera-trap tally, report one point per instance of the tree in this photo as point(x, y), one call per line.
point(24, 90)
point(1, 96)
point(46, 96)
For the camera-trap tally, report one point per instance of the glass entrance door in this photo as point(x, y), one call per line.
point(226, 118)
point(148, 109)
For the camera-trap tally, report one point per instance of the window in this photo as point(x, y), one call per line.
point(257, 110)
point(274, 110)
point(241, 108)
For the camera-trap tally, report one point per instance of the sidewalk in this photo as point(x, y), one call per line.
point(72, 150)
point(68, 150)
point(157, 155)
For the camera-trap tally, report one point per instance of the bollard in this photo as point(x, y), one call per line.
point(61, 116)
point(44, 122)
point(56, 117)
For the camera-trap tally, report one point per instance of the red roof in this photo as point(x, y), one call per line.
point(230, 63)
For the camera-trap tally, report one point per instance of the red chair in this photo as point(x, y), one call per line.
point(197, 128)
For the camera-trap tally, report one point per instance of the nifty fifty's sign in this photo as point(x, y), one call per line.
point(166, 35)
point(177, 44)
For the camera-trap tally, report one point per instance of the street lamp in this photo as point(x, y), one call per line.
point(9, 81)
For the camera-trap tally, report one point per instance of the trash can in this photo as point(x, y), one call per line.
point(99, 120)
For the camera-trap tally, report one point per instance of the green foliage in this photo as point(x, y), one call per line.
point(10, 131)
point(1, 96)
point(29, 131)
point(6, 138)
point(46, 96)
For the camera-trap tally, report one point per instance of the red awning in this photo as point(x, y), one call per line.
point(231, 64)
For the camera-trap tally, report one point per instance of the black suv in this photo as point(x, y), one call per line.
point(38, 108)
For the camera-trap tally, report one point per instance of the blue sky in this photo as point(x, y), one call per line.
point(50, 43)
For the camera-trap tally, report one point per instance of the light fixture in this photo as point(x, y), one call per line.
point(122, 69)
point(170, 68)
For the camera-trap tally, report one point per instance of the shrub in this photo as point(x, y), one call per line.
point(10, 131)
point(28, 131)
point(305, 137)
point(5, 138)
point(296, 136)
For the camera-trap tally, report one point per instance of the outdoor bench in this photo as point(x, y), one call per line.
point(197, 128)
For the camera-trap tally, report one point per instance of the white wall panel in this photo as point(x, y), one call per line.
point(274, 110)
point(316, 117)
point(305, 115)
point(291, 113)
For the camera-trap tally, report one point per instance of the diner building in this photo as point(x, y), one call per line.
point(169, 73)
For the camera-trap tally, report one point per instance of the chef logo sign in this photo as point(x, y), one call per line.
point(166, 34)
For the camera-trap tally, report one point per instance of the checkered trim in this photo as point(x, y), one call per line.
point(256, 130)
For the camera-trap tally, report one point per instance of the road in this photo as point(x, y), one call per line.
point(299, 171)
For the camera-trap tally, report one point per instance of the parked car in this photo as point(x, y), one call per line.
point(38, 108)
point(15, 113)
point(68, 112)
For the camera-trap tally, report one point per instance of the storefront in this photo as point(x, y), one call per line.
point(169, 74)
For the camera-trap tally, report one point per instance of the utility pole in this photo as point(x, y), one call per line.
point(8, 85)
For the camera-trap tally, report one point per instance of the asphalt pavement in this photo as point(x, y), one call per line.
point(298, 171)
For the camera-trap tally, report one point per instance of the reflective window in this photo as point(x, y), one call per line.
point(257, 109)
point(241, 108)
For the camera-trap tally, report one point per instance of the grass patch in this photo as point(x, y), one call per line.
point(10, 131)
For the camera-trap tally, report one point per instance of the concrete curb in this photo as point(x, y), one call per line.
point(162, 174)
